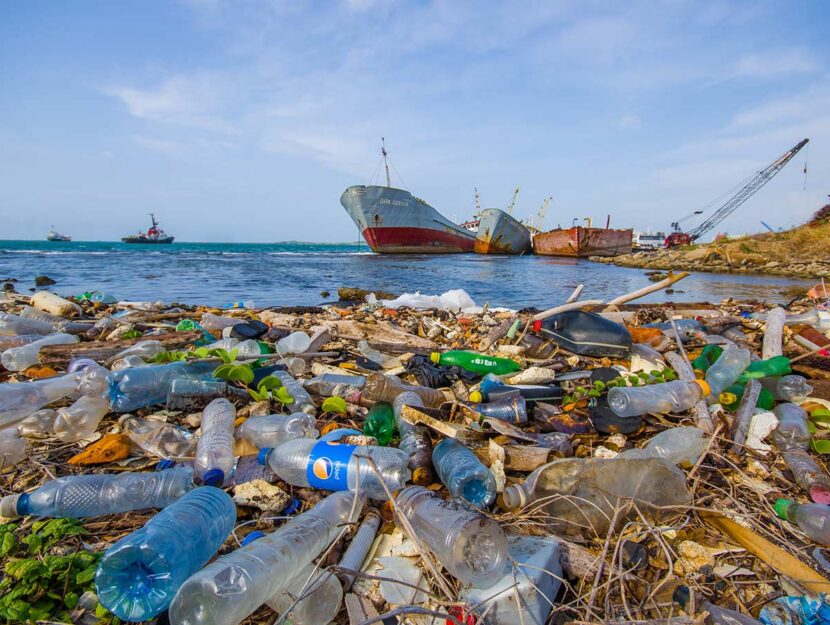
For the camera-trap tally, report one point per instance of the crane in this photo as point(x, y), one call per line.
point(513, 201)
point(744, 193)
point(540, 217)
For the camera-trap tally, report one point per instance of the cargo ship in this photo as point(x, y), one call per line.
point(154, 234)
point(501, 233)
point(581, 242)
point(54, 235)
point(393, 221)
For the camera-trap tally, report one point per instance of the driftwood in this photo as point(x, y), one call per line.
point(100, 351)
point(381, 336)
point(457, 431)
point(657, 286)
point(743, 416)
point(518, 457)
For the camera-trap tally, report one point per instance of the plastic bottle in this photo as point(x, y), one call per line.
point(812, 518)
point(681, 324)
point(792, 432)
point(79, 496)
point(380, 422)
point(294, 343)
point(471, 546)
point(326, 384)
point(359, 548)
point(18, 340)
point(329, 466)
point(302, 400)
point(775, 366)
point(58, 323)
point(681, 445)
point(511, 407)
point(157, 437)
point(579, 495)
point(214, 451)
point(187, 394)
point(675, 396)
point(144, 350)
point(229, 589)
point(492, 389)
point(731, 398)
point(139, 575)
point(100, 297)
point(41, 424)
point(792, 388)
point(320, 595)
point(81, 419)
point(18, 401)
point(707, 358)
point(188, 325)
point(725, 371)
point(93, 380)
point(23, 357)
point(12, 450)
point(415, 440)
point(464, 475)
point(377, 357)
point(143, 386)
point(12, 325)
point(274, 429)
point(808, 475)
point(217, 322)
point(380, 387)
point(476, 363)
point(128, 363)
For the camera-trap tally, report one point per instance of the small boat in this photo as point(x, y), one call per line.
point(54, 235)
point(154, 235)
point(581, 242)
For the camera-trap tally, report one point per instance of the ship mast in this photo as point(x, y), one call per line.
point(385, 162)
point(478, 204)
point(153, 219)
point(513, 201)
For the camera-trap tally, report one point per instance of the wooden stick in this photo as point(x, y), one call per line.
point(773, 333)
point(565, 307)
point(797, 358)
point(100, 351)
point(657, 286)
point(575, 295)
point(743, 416)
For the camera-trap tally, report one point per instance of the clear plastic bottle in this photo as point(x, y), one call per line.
point(792, 432)
point(330, 466)
point(143, 386)
point(18, 340)
point(12, 325)
point(128, 362)
point(215, 322)
point(18, 401)
point(510, 407)
point(157, 437)
point(464, 475)
point(81, 419)
point(246, 350)
point(471, 546)
point(139, 575)
point(792, 388)
point(808, 475)
point(380, 387)
point(302, 400)
point(12, 450)
point(214, 451)
point(359, 547)
point(294, 343)
point(326, 385)
point(144, 350)
point(93, 381)
point(41, 424)
point(726, 370)
point(79, 496)
point(58, 323)
point(681, 445)
point(229, 589)
point(320, 595)
point(274, 429)
point(415, 440)
point(812, 518)
point(675, 396)
point(23, 357)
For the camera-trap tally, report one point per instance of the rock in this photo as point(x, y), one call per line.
point(44, 281)
point(771, 265)
point(760, 427)
point(693, 557)
point(262, 495)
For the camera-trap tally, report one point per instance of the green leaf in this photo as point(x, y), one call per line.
point(101, 611)
point(283, 396)
point(201, 352)
point(86, 576)
point(7, 544)
point(269, 383)
point(820, 416)
point(594, 393)
point(233, 354)
point(820, 446)
point(71, 600)
point(334, 405)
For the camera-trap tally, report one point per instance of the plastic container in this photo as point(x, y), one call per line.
point(79, 496)
point(586, 333)
point(808, 475)
point(464, 475)
point(9, 342)
point(81, 419)
point(145, 350)
point(302, 400)
point(23, 357)
point(13, 450)
point(214, 451)
point(139, 575)
point(380, 387)
point(246, 350)
point(229, 589)
point(812, 518)
point(217, 323)
point(320, 594)
point(157, 437)
point(510, 407)
point(775, 366)
point(143, 386)
point(380, 423)
point(330, 466)
point(707, 358)
point(272, 430)
point(726, 370)
point(471, 546)
point(476, 363)
point(294, 343)
point(792, 388)
point(415, 440)
point(13, 325)
point(731, 398)
point(792, 432)
point(326, 385)
point(18, 401)
point(681, 445)
point(675, 396)
point(41, 424)
point(359, 548)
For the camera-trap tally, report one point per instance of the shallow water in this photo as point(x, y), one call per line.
point(296, 273)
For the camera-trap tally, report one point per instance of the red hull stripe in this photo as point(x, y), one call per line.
point(416, 240)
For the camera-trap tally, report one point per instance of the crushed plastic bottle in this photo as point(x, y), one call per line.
point(808, 475)
point(12, 450)
point(726, 370)
point(143, 386)
point(792, 432)
point(668, 397)
point(92, 381)
point(812, 518)
point(214, 450)
point(272, 430)
point(139, 575)
point(302, 400)
point(380, 387)
point(476, 363)
point(313, 597)
point(471, 546)
point(415, 440)
point(707, 358)
point(145, 350)
point(326, 385)
point(79, 496)
point(464, 475)
point(331, 466)
point(380, 423)
point(217, 323)
point(731, 398)
point(245, 350)
point(682, 445)
point(158, 438)
point(23, 357)
point(41, 424)
point(188, 394)
point(510, 407)
point(81, 419)
point(229, 589)
point(18, 401)
point(359, 547)
point(12, 325)
point(492, 389)
point(775, 366)
point(792, 388)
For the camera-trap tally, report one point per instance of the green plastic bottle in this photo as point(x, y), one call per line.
point(731, 398)
point(777, 365)
point(707, 358)
point(477, 363)
point(380, 422)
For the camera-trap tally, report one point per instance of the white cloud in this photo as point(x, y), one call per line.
point(157, 145)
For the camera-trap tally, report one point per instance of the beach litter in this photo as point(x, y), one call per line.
point(414, 459)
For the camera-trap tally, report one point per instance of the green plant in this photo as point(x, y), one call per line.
point(334, 405)
point(132, 334)
point(641, 378)
point(43, 579)
point(271, 387)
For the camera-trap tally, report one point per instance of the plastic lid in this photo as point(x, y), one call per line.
point(476, 397)
point(214, 477)
point(256, 534)
point(164, 464)
point(537, 325)
point(435, 357)
point(727, 399)
point(782, 507)
point(8, 507)
point(262, 456)
point(707, 390)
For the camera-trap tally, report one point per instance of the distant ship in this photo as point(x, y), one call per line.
point(583, 242)
point(649, 240)
point(54, 235)
point(154, 235)
point(393, 221)
point(499, 232)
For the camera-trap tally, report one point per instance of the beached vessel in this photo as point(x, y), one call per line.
point(54, 235)
point(393, 221)
point(582, 242)
point(501, 233)
point(155, 234)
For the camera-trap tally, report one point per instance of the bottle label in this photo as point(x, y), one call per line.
point(328, 466)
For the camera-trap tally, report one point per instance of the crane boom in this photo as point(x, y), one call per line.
point(743, 194)
point(513, 201)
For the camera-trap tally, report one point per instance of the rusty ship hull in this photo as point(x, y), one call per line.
point(500, 233)
point(579, 242)
point(393, 221)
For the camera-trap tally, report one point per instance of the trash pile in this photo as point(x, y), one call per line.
point(414, 460)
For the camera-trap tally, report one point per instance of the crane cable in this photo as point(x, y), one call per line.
point(806, 154)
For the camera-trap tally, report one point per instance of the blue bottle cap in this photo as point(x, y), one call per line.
point(262, 456)
point(214, 477)
point(252, 537)
point(164, 464)
point(23, 504)
point(292, 508)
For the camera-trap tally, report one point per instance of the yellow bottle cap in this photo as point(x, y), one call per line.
point(727, 398)
point(704, 387)
point(476, 396)
point(435, 357)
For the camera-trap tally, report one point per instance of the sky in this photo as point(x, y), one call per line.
point(245, 121)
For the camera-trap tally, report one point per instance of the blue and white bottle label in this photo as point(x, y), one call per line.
point(328, 466)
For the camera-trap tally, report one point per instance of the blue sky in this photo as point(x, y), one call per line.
point(244, 121)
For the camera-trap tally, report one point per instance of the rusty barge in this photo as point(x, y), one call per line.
point(582, 242)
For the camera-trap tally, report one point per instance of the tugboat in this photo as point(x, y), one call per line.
point(54, 235)
point(154, 235)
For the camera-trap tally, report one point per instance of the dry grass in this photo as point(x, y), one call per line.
point(803, 244)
